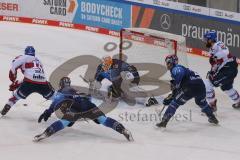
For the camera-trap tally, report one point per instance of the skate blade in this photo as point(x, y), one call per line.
point(161, 129)
point(38, 138)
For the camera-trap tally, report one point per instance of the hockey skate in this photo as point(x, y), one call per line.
point(5, 109)
point(151, 101)
point(236, 105)
point(162, 124)
point(212, 119)
point(128, 135)
point(40, 137)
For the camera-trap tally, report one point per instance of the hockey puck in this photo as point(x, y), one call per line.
point(25, 104)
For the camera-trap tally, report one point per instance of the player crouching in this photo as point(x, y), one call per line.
point(34, 79)
point(122, 77)
point(74, 106)
point(224, 69)
point(186, 85)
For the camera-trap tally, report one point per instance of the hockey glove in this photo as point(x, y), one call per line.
point(12, 76)
point(168, 99)
point(210, 75)
point(14, 86)
point(46, 114)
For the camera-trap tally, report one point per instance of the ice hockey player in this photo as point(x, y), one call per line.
point(224, 69)
point(117, 71)
point(185, 85)
point(75, 106)
point(34, 79)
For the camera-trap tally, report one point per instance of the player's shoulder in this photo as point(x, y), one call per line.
point(177, 69)
point(219, 45)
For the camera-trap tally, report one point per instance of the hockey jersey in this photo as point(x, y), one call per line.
point(31, 68)
point(220, 52)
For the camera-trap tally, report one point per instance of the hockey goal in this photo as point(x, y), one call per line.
point(146, 49)
point(151, 45)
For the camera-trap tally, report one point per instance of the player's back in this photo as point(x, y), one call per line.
point(31, 67)
point(184, 77)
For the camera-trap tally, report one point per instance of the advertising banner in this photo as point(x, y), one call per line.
point(191, 27)
point(105, 14)
point(61, 10)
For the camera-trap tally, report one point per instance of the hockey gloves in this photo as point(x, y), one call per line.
point(14, 85)
point(168, 99)
point(46, 114)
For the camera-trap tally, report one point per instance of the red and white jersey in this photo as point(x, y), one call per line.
point(221, 53)
point(31, 68)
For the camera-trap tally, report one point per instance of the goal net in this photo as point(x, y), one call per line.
point(146, 49)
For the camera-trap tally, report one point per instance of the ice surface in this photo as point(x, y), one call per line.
point(188, 137)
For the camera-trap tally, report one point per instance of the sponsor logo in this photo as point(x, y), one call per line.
point(40, 21)
point(7, 18)
point(60, 7)
point(187, 8)
point(161, 3)
point(39, 77)
point(165, 22)
point(228, 37)
point(9, 7)
point(92, 29)
point(219, 13)
point(66, 24)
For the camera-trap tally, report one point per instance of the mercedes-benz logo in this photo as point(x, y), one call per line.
point(165, 21)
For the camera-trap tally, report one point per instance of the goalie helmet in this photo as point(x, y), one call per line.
point(64, 81)
point(172, 59)
point(106, 62)
point(29, 50)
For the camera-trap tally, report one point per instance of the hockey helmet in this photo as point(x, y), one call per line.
point(29, 50)
point(172, 59)
point(210, 35)
point(64, 81)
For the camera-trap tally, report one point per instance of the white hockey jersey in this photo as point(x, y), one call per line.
point(31, 68)
point(222, 55)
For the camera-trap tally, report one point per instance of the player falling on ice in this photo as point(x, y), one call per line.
point(75, 106)
point(185, 85)
point(117, 72)
point(34, 79)
point(224, 69)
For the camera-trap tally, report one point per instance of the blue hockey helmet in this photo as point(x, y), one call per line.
point(210, 35)
point(30, 51)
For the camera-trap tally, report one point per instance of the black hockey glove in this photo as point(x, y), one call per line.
point(168, 99)
point(45, 115)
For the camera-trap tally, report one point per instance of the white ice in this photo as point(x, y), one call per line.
point(189, 136)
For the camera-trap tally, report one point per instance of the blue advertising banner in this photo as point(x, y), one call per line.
point(104, 14)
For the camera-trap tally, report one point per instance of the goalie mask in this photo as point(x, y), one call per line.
point(106, 63)
point(64, 81)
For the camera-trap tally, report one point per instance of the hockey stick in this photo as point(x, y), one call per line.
point(160, 113)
